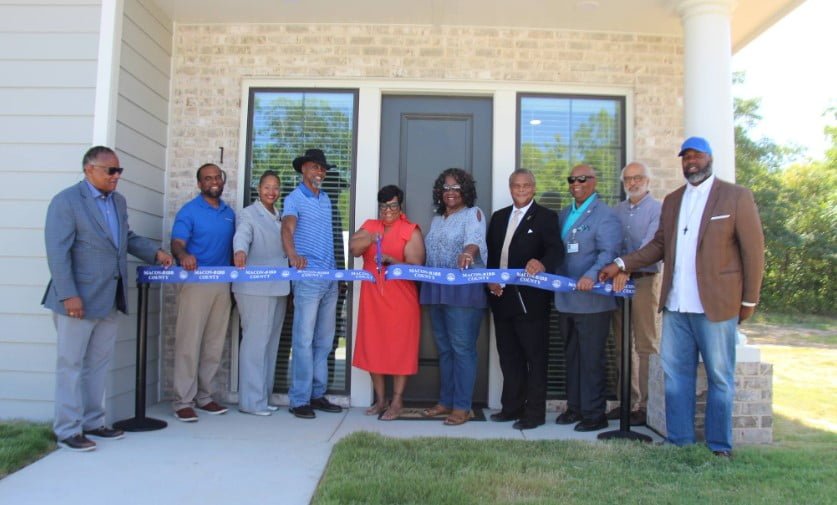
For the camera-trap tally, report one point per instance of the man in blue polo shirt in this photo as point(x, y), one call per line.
point(307, 237)
point(201, 236)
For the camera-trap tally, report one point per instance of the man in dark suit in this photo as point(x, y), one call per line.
point(592, 234)
point(711, 241)
point(87, 244)
point(523, 235)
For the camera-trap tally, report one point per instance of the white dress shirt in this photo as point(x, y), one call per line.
point(684, 295)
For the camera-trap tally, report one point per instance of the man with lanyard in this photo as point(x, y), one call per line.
point(591, 233)
point(307, 237)
point(201, 236)
point(640, 216)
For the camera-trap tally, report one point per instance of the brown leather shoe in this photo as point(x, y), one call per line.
point(213, 408)
point(614, 413)
point(78, 443)
point(638, 418)
point(186, 414)
point(105, 432)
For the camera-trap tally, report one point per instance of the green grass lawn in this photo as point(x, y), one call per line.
point(800, 467)
point(22, 443)
point(371, 469)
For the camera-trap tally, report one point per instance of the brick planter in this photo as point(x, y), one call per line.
point(752, 414)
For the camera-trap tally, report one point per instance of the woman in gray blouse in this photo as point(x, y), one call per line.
point(258, 241)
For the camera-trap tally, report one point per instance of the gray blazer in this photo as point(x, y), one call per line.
point(259, 234)
point(599, 237)
point(83, 260)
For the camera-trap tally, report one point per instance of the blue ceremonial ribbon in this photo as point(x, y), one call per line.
point(449, 276)
point(174, 275)
point(456, 277)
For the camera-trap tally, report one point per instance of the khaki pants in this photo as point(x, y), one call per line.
point(645, 323)
point(203, 314)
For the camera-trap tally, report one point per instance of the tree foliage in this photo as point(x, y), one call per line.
point(798, 208)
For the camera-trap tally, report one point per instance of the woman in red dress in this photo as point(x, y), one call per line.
point(389, 316)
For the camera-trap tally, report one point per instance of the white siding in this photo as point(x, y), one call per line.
point(142, 117)
point(48, 53)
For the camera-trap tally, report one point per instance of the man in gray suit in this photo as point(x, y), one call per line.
point(87, 244)
point(591, 233)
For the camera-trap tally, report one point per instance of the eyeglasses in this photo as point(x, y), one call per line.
point(454, 187)
point(633, 178)
point(579, 178)
point(110, 170)
point(389, 206)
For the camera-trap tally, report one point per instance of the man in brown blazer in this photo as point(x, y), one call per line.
point(711, 241)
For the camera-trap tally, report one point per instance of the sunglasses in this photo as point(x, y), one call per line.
point(110, 170)
point(579, 178)
point(389, 206)
point(454, 187)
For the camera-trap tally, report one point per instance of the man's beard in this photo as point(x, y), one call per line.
point(701, 175)
point(638, 193)
point(213, 193)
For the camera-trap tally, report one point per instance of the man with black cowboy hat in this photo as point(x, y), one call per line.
point(307, 235)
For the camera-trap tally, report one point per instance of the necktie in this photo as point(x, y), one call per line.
point(504, 252)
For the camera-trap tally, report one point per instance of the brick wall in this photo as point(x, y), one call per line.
point(752, 414)
point(210, 61)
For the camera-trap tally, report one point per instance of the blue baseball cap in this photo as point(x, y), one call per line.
point(699, 144)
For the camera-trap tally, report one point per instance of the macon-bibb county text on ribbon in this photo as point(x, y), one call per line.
point(447, 276)
point(453, 276)
point(246, 274)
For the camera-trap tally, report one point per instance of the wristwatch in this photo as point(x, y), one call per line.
point(619, 263)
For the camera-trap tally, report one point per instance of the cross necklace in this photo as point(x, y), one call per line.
point(693, 203)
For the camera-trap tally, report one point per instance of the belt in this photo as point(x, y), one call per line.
point(639, 275)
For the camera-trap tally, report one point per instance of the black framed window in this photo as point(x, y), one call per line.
point(281, 124)
point(554, 134)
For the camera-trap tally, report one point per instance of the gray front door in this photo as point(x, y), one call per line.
point(420, 137)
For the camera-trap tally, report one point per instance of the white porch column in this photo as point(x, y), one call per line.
point(708, 78)
point(107, 72)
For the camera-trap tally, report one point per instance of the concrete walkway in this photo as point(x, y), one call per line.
point(227, 459)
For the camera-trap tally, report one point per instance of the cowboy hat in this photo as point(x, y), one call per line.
point(315, 155)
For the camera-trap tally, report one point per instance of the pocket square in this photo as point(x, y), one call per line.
point(715, 218)
point(530, 231)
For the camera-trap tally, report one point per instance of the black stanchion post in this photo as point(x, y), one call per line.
point(624, 430)
point(139, 422)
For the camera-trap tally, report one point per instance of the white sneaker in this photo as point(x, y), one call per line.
point(265, 412)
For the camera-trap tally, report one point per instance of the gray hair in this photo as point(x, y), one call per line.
point(522, 171)
point(643, 166)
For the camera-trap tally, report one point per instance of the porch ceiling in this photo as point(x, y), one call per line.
point(750, 17)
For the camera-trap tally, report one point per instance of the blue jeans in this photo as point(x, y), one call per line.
point(456, 330)
point(315, 310)
point(684, 335)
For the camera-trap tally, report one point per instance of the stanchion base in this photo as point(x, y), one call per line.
point(140, 424)
point(626, 435)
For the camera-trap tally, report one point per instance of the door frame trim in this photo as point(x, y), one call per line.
point(503, 159)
